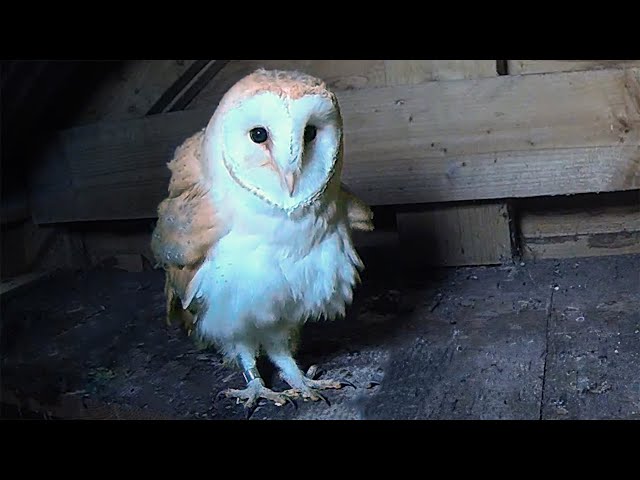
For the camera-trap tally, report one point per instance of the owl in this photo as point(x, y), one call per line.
point(255, 235)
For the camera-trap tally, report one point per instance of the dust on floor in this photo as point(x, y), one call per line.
point(545, 340)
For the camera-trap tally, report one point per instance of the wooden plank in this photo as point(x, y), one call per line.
point(401, 180)
point(13, 259)
point(503, 137)
point(473, 347)
point(457, 236)
point(179, 86)
point(592, 356)
point(101, 246)
point(411, 72)
point(14, 208)
point(523, 67)
point(451, 235)
point(493, 138)
point(114, 170)
point(533, 112)
point(132, 90)
point(579, 233)
point(352, 74)
point(339, 75)
point(14, 286)
point(197, 85)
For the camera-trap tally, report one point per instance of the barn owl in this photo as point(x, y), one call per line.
point(255, 233)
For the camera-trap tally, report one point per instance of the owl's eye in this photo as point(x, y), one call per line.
point(310, 133)
point(258, 135)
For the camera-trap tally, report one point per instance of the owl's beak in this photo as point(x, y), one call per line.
point(290, 181)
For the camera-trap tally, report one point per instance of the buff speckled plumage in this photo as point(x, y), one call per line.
point(226, 221)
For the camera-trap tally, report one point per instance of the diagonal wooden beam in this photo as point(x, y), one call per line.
point(177, 87)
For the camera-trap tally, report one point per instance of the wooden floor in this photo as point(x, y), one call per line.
point(545, 340)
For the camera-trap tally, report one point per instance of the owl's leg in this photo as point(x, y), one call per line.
point(304, 386)
point(256, 389)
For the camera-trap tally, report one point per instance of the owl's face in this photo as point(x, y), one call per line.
point(282, 148)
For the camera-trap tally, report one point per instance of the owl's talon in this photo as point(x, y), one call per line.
point(291, 402)
point(323, 398)
point(249, 411)
point(219, 396)
point(313, 372)
point(254, 392)
point(346, 383)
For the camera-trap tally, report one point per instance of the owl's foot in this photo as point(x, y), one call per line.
point(306, 387)
point(254, 392)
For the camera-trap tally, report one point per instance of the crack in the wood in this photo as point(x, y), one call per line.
point(502, 67)
point(632, 89)
point(546, 353)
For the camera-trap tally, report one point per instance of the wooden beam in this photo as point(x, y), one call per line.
point(197, 85)
point(134, 89)
point(515, 174)
point(413, 72)
point(181, 83)
point(491, 138)
point(451, 235)
point(338, 74)
point(342, 75)
point(525, 113)
point(581, 232)
point(457, 236)
point(14, 286)
point(494, 138)
point(523, 67)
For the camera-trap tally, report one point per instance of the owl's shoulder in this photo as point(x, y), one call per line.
point(189, 223)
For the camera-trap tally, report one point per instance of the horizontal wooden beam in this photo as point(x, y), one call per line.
point(583, 232)
point(490, 138)
point(14, 286)
point(525, 67)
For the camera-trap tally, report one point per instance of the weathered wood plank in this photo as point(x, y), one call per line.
point(594, 330)
point(52, 246)
point(196, 85)
point(451, 235)
point(132, 90)
point(111, 170)
point(523, 67)
point(352, 74)
point(13, 259)
point(579, 233)
point(532, 112)
point(339, 75)
point(180, 86)
point(411, 72)
point(516, 174)
point(476, 351)
point(491, 138)
point(457, 236)
point(14, 286)
point(535, 130)
point(101, 246)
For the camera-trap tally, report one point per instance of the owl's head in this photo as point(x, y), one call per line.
point(279, 135)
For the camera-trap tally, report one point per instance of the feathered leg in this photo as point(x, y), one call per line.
point(278, 348)
point(256, 389)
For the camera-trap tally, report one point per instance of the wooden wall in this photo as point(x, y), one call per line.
point(460, 149)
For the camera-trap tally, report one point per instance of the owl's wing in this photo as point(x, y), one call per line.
point(188, 226)
point(359, 214)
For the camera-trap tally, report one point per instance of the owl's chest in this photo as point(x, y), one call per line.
point(292, 272)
